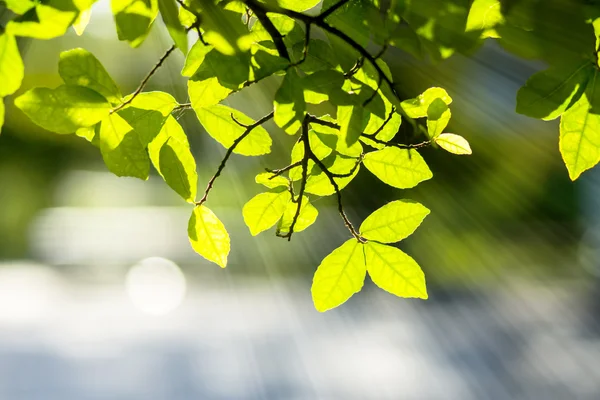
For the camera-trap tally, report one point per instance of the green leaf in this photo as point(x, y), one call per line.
point(218, 122)
point(454, 144)
point(319, 184)
point(399, 168)
point(289, 105)
point(352, 119)
point(134, 19)
point(64, 109)
point(580, 132)
point(351, 19)
point(265, 62)
point(393, 222)
point(319, 148)
point(308, 215)
point(331, 138)
point(45, 21)
point(438, 116)
point(319, 86)
point(122, 150)
point(320, 56)
point(20, 6)
point(88, 133)
point(264, 210)
point(195, 57)
point(484, 16)
point(417, 107)
point(11, 65)
point(82, 21)
point(224, 29)
point(147, 113)
point(298, 5)
point(217, 76)
point(340, 275)
point(549, 93)
point(171, 156)
point(79, 67)
point(208, 236)
point(394, 271)
point(387, 133)
point(170, 16)
point(264, 179)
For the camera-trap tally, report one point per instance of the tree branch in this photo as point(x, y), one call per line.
point(145, 80)
point(230, 150)
point(261, 15)
point(304, 164)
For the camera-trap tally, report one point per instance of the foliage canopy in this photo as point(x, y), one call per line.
point(322, 52)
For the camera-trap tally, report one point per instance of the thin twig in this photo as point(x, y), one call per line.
point(230, 150)
point(341, 211)
point(277, 172)
point(261, 15)
point(332, 9)
point(145, 80)
point(304, 164)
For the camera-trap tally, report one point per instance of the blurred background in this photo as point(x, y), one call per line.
point(101, 296)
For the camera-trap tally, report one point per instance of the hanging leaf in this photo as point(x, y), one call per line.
point(340, 275)
point(208, 236)
point(393, 222)
point(454, 144)
point(399, 168)
point(394, 271)
point(264, 210)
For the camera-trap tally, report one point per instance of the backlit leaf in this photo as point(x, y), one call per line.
point(122, 150)
point(218, 122)
point(393, 222)
point(417, 107)
point(438, 116)
point(319, 184)
point(267, 179)
point(80, 67)
point(549, 93)
point(170, 16)
point(82, 21)
point(580, 131)
point(45, 21)
point(454, 144)
point(171, 156)
point(208, 236)
point(399, 168)
point(484, 15)
point(264, 210)
point(308, 215)
point(11, 65)
point(340, 275)
point(64, 109)
point(289, 105)
point(134, 19)
point(394, 271)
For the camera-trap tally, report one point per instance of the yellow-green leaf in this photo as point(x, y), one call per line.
point(438, 116)
point(289, 105)
point(208, 236)
point(267, 179)
point(122, 150)
point(1, 114)
point(549, 93)
point(80, 67)
point(170, 16)
point(171, 156)
point(264, 210)
point(195, 57)
point(134, 19)
point(308, 215)
point(399, 168)
point(452, 143)
point(340, 275)
point(218, 122)
point(394, 271)
point(393, 222)
point(417, 107)
point(580, 132)
point(45, 21)
point(82, 21)
point(11, 65)
point(484, 16)
point(64, 109)
point(319, 184)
